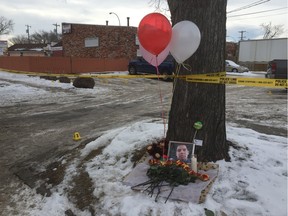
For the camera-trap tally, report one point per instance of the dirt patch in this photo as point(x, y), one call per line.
point(52, 176)
point(138, 155)
point(93, 154)
point(81, 194)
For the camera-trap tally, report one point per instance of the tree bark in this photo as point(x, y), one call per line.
point(200, 101)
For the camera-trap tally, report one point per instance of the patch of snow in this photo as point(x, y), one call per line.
point(253, 183)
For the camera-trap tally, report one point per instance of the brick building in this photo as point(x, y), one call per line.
point(231, 51)
point(99, 41)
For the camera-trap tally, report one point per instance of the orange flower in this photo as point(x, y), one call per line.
point(205, 177)
point(153, 161)
point(168, 163)
point(186, 167)
point(191, 172)
point(179, 163)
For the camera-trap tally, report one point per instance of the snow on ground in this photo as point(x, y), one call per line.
point(250, 74)
point(20, 92)
point(29, 89)
point(253, 183)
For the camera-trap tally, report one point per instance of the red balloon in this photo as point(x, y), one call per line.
point(154, 33)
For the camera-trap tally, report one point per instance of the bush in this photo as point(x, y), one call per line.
point(53, 78)
point(64, 80)
point(83, 82)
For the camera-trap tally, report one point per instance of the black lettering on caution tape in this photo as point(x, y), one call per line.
point(266, 82)
point(228, 80)
point(247, 81)
point(281, 82)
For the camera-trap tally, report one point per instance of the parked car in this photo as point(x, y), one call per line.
point(277, 69)
point(141, 66)
point(233, 67)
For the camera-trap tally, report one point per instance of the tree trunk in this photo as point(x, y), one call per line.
point(200, 101)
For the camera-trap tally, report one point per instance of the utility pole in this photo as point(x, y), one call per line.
point(242, 32)
point(55, 30)
point(27, 31)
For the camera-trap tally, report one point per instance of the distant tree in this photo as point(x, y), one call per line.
point(271, 31)
point(6, 26)
point(19, 39)
point(42, 37)
point(159, 5)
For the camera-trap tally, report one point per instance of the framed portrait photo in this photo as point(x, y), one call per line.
point(180, 151)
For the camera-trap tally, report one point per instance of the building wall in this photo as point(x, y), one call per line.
point(263, 50)
point(116, 45)
point(114, 41)
point(3, 47)
point(231, 51)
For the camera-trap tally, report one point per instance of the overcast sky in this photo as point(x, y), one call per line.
point(41, 15)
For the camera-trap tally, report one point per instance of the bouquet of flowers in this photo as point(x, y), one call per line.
point(169, 173)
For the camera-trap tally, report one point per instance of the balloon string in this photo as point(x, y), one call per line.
point(186, 66)
point(178, 66)
point(161, 98)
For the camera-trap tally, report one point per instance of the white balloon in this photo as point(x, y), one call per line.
point(185, 40)
point(153, 59)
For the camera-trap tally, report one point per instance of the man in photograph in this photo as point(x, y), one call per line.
point(182, 153)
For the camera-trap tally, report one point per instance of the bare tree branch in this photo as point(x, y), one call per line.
point(41, 37)
point(272, 31)
point(160, 5)
point(6, 26)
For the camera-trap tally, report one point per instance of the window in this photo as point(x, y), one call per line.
point(92, 42)
point(66, 28)
point(137, 40)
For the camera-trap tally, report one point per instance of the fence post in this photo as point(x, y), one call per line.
point(71, 71)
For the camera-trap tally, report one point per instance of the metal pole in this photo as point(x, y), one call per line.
point(27, 31)
point(56, 25)
point(117, 17)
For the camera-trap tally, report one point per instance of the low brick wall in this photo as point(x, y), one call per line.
point(62, 64)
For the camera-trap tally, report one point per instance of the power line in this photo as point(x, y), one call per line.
point(260, 16)
point(249, 5)
point(256, 12)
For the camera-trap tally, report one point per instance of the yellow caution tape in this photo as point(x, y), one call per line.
point(113, 76)
point(246, 81)
point(213, 78)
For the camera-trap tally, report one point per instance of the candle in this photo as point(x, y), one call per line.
point(194, 163)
